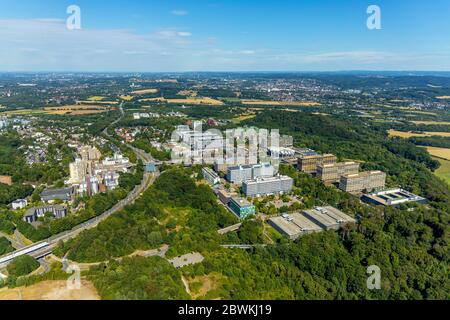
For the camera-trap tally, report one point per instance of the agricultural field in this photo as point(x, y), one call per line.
point(191, 100)
point(76, 110)
point(243, 117)
point(442, 153)
point(144, 91)
point(281, 103)
point(403, 134)
point(190, 93)
point(126, 98)
point(444, 170)
point(50, 290)
point(96, 98)
point(432, 122)
point(97, 102)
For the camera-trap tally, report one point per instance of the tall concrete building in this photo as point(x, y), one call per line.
point(309, 163)
point(78, 171)
point(363, 181)
point(239, 174)
point(267, 186)
point(331, 173)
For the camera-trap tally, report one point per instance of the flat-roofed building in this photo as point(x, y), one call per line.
point(241, 207)
point(392, 197)
point(239, 174)
point(294, 225)
point(225, 196)
point(309, 163)
point(328, 217)
point(50, 195)
point(210, 176)
point(33, 214)
point(267, 186)
point(263, 170)
point(363, 181)
point(331, 173)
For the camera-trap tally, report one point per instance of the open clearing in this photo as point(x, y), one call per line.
point(192, 100)
point(432, 122)
point(51, 290)
point(144, 91)
point(444, 170)
point(281, 103)
point(199, 286)
point(403, 134)
point(443, 153)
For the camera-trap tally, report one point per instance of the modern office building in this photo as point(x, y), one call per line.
point(309, 163)
point(239, 174)
point(210, 176)
point(328, 217)
point(33, 214)
point(331, 173)
point(392, 197)
point(241, 207)
point(363, 181)
point(294, 225)
point(267, 186)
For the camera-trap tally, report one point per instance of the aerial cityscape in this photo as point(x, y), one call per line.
point(175, 164)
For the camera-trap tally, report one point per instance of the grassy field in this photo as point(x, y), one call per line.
point(403, 134)
point(443, 153)
point(243, 117)
point(144, 91)
point(280, 103)
point(51, 290)
point(444, 171)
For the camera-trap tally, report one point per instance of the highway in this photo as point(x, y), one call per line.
point(46, 247)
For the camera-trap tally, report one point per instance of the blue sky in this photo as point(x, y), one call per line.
point(224, 35)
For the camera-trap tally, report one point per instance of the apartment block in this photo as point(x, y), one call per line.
point(363, 181)
point(331, 173)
